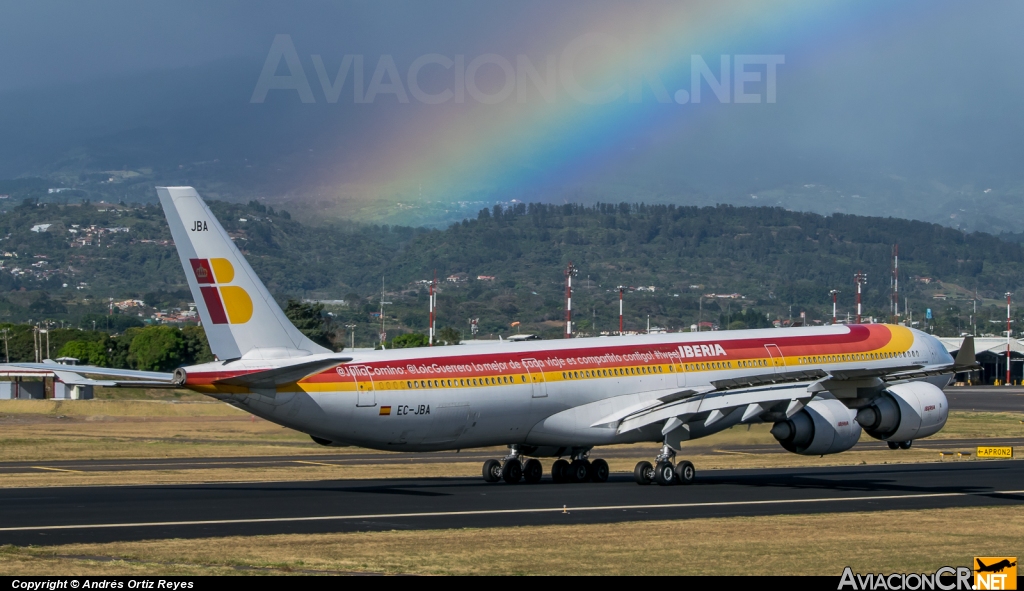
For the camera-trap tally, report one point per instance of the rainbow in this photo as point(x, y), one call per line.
point(450, 150)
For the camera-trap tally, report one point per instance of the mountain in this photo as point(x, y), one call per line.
point(734, 266)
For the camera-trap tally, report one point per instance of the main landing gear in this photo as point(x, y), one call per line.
point(900, 444)
point(514, 468)
point(664, 471)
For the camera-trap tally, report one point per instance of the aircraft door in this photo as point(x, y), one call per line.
point(535, 375)
point(778, 361)
point(366, 395)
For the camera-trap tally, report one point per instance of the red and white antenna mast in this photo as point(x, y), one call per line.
point(433, 307)
point(895, 283)
point(860, 279)
point(834, 293)
point(621, 289)
point(1008, 294)
point(570, 272)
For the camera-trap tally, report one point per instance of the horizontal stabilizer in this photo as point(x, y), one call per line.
point(272, 378)
point(73, 379)
point(51, 366)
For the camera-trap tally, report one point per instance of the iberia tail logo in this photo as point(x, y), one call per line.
point(228, 304)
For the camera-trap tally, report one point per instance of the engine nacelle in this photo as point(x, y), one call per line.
point(824, 426)
point(905, 411)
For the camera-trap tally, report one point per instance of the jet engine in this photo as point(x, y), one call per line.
point(905, 412)
point(824, 426)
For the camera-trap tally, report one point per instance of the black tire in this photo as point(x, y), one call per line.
point(599, 471)
point(492, 471)
point(893, 444)
point(906, 444)
point(642, 472)
point(665, 474)
point(685, 472)
point(533, 471)
point(578, 471)
point(512, 471)
point(558, 471)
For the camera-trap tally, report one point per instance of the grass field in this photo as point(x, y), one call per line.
point(191, 426)
point(171, 424)
point(885, 541)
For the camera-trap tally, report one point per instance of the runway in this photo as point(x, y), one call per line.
point(981, 398)
point(986, 398)
point(48, 516)
point(369, 458)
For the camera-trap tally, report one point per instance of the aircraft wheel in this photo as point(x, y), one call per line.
point(643, 473)
point(532, 471)
point(599, 471)
point(492, 471)
point(685, 473)
point(664, 473)
point(578, 471)
point(558, 471)
point(893, 444)
point(512, 471)
point(906, 444)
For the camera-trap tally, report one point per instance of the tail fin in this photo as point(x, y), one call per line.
point(238, 313)
point(965, 356)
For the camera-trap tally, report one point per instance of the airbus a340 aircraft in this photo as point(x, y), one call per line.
point(818, 386)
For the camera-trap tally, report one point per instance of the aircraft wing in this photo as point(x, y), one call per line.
point(765, 396)
point(781, 399)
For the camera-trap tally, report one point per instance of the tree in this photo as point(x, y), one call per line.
point(157, 348)
point(86, 352)
point(449, 336)
point(196, 349)
point(309, 319)
point(407, 341)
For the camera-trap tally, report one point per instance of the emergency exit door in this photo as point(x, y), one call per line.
point(777, 360)
point(366, 395)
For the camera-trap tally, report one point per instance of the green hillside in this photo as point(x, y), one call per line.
point(780, 263)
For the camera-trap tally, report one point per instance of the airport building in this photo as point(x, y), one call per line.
point(991, 355)
point(38, 384)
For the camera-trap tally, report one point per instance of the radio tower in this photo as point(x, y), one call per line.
point(859, 279)
point(895, 283)
point(570, 272)
point(834, 293)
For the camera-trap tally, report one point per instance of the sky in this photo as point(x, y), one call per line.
point(910, 106)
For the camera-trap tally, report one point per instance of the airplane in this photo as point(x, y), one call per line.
point(994, 568)
point(819, 387)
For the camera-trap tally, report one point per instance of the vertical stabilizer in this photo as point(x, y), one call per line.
point(239, 315)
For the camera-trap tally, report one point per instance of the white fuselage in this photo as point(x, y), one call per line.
point(547, 394)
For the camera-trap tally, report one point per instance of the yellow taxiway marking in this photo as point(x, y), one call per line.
point(315, 463)
point(56, 469)
point(738, 453)
point(562, 509)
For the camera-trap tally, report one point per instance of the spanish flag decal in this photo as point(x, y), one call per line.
point(227, 304)
point(385, 411)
